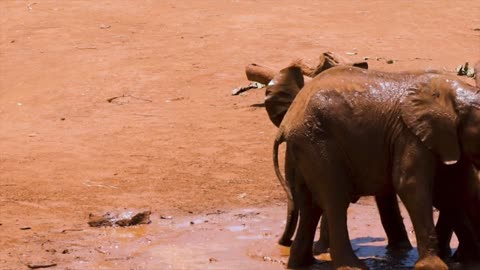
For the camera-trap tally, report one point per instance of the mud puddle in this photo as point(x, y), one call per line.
point(233, 239)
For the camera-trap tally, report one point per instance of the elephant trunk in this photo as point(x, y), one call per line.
point(278, 140)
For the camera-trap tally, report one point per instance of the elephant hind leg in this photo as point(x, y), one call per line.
point(323, 243)
point(340, 248)
point(444, 229)
point(332, 190)
point(301, 254)
point(392, 222)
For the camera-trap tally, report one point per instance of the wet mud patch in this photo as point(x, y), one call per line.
point(223, 239)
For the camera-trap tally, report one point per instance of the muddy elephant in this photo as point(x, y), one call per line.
point(279, 96)
point(409, 124)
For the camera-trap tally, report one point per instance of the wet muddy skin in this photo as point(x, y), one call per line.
point(245, 238)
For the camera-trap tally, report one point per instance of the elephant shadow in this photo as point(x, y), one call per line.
point(376, 256)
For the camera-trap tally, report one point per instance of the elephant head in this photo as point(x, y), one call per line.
point(281, 91)
point(428, 110)
point(284, 87)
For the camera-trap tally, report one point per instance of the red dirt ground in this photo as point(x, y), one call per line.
point(177, 143)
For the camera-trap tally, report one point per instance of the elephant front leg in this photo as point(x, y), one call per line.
point(419, 207)
point(417, 198)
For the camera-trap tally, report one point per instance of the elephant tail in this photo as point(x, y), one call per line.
point(279, 140)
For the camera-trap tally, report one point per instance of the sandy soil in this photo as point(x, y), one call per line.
point(174, 141)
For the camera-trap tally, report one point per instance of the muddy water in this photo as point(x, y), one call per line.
point(235, 239)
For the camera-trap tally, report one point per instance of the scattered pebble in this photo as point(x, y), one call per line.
point(38, 266)
point(465, 70)
point(122, 220)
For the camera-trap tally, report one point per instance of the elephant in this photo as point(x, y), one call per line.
point(411, 124)
point(279, 96)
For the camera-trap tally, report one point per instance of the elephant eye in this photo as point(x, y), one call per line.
point(436, 94)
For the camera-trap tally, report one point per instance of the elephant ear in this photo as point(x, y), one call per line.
point(281, 91)
point(428, 110)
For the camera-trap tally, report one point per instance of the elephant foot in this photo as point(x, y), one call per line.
point(431, 262)
point(320, 248)
point(465, 256)
point(285, 242)
point(445, 253)
point(299, 263)
point(403, 245)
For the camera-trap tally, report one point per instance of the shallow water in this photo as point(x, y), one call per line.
point(237, 239)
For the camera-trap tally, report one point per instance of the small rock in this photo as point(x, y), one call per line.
point(104, 26)
point(166, 217)
point(109, 219)
point(212, 260)
point(390, 61)
point(465, 70)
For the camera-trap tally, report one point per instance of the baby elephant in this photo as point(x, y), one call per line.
point(409, 124)
point(279, 96)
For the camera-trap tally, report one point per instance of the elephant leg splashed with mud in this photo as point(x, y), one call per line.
point(422, 130)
